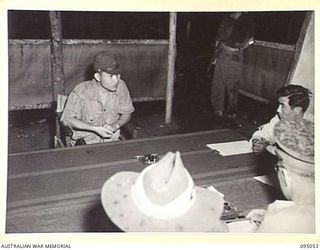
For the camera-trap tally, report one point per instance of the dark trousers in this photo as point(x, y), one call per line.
point(226, 82)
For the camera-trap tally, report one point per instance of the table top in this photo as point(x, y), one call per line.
point(58, 190)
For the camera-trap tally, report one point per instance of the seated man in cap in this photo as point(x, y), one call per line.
point(293, 103)
point(97, 109)
point(295, 171)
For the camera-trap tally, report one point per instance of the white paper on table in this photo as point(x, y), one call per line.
point(242, 226)
point(213, 189)
point(232, 148)
point(269, 179)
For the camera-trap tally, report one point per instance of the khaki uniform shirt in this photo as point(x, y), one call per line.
point(85, 104)
point(266, 130)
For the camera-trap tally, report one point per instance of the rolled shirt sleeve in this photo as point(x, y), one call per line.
point(266, 131)
point(72, 108)
point(125, 101)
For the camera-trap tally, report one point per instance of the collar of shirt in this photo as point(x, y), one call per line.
point(96, 92)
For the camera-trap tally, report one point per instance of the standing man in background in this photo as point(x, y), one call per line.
point(236, 33)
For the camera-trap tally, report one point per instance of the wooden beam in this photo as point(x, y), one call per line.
point(31, 106)
point(89, 41)
point(280, 46)
point(254, 97)
point(171, 65)
point(56, 55)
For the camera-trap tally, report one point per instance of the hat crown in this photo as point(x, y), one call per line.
point(167, 180)
point(168, 198)
point(107, 62)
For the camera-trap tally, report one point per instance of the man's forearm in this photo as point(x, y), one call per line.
point(123, 119)
point(77, 124)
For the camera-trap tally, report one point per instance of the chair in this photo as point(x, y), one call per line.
point(62, 134)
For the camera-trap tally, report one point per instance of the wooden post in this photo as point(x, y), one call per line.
point(188, 30)
point(171, 65)
point(56, 55)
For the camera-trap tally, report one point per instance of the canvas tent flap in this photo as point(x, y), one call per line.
point(265, 70)
point(144, 64)
point(30, 79)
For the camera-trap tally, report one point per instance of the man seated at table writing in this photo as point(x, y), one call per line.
point(295, 170)
point(97, 109)
point(293, 103)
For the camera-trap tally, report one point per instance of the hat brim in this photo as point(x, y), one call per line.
point(295, 164)
point(296, 155)
point(203, 216)
point(114, 71)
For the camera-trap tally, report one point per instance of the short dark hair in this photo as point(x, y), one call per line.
point(298, 95)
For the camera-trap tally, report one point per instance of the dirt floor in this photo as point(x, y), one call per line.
point(32, 130)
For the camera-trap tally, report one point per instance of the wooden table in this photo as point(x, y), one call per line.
point(59, 190)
